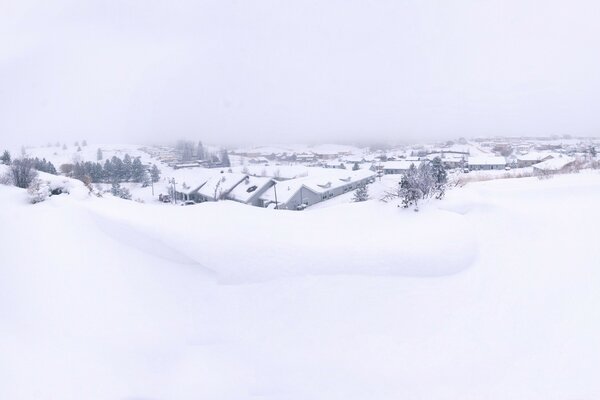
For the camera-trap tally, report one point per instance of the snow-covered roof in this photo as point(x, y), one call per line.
point(248, 188)
point(318, 184)
point(221, 183)
point(533, 156)
point(487, 160)
point(401, 165)
point(554, 164)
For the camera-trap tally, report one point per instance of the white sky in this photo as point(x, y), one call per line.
point(259, 71)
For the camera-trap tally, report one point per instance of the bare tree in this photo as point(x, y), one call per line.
point(22, 173)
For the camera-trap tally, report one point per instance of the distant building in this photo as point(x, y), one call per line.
point(554, 165)
point(529, 159)
point(483, 163)
point(398, 167)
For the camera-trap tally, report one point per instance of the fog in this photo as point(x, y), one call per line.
point(296, 71)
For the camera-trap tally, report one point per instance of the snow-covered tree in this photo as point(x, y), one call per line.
point(127, 168)
point(146, 181)
point(99, 155)
point(225, 158)
point(137, 171)
point(355, 167)
point(84, 143)
point(154, 173)
point(38, 191)
point(5, 158)
point(440, 177)
point(118, 170)
point(361, 194)
point(118, 191)
point(200, 154)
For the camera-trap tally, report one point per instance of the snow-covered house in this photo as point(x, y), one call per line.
point(250, 190)
point(529, 159)
point(218, 187)
point(398, 167)
point(480, 163)
point(554, 165)
point(303, 192)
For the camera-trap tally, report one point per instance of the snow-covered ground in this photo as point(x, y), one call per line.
point(491, 293)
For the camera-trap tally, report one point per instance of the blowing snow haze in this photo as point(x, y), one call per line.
point(259, 71)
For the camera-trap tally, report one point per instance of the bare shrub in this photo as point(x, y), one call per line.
point(22, 173)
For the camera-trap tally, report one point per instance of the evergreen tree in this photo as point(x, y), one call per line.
point(440, 177)
point(200, 152)
point(108, 171)
point(78, 148)
point(146, 181)
point(99, 155)
point(355, 167)
point(155, 173)
point(84, 143)
point(361, 194)
point(225, 159)
point(5, 158)
point(127, 168)
point(137, 171)
point(118, 171)
point(64, 147)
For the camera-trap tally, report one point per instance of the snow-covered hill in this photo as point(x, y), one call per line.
point(490, 293)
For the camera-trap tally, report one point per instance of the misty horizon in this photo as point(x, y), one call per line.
point(262, 72)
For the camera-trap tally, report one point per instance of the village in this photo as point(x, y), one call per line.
point(297, 177)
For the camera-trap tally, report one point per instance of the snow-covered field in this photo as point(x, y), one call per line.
point(491, 293)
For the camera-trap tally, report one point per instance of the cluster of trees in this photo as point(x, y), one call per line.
point(429, 180)
point(191, 152)
point(23, 171)
point(114, 170)
point(42, 165)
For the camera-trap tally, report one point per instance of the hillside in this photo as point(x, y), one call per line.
point(109, 299)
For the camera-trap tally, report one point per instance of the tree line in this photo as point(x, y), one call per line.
point(113, 170)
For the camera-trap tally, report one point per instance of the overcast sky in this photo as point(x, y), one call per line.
point(280, 71)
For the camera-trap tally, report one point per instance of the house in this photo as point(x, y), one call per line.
point(484, 163)
point(250, 190)
point(554, 165)
point(398, 167)
point(190, 192)
point(529, 159)
point(305, 157)
point(299, 193)
point(218, 187)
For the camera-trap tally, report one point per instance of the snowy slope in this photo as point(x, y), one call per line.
point(491, 293)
